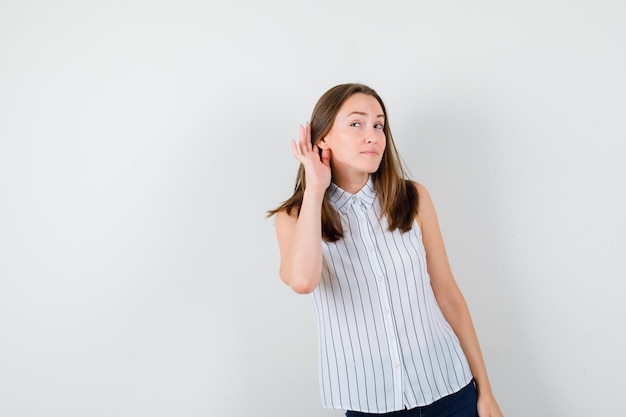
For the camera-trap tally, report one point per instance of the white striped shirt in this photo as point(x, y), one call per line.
point(384, 343)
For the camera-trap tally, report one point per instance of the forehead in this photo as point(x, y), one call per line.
point(362, 103)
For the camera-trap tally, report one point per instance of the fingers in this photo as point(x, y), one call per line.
point(302, 143)
point(302, 147)
point(296, 150)
point(305, 138)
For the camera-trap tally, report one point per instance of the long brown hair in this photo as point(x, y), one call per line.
point(397, 195)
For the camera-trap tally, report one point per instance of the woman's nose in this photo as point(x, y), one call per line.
point(370, 135)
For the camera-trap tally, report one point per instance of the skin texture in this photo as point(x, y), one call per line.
point(350, 152)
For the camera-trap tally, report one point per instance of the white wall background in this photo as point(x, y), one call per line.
point(142, 141)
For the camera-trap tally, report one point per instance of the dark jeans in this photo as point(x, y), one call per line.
point(459, 404)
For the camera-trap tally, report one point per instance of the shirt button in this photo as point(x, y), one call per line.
point(387, 311)
point(397, 365)
point(380, 278)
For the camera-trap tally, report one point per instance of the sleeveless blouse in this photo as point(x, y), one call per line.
point(383, 342)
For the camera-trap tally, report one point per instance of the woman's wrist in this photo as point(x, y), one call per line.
point(483, 387)
point(314, 193)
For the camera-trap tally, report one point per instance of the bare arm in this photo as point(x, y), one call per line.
point(452, 302)
point(300, 236)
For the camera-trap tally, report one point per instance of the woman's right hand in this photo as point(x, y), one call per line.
point(316, 164)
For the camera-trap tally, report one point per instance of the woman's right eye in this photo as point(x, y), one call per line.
point(355, 124)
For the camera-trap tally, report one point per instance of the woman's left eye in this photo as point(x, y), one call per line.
point(378, 126)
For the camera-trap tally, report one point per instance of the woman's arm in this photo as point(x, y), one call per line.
point(300, 236)
point(452, 302)
point(300, 244)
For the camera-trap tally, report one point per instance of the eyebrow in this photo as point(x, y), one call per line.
point(363, 114)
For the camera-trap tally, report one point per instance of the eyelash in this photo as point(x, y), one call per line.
point(378, 125)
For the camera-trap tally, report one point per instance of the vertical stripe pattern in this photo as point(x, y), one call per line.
point(384, 344)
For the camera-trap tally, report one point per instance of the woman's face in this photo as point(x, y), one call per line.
point(357, 139)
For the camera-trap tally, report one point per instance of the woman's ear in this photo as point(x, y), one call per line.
point(321, 143)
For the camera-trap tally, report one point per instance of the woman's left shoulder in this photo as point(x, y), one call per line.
point(426, 214)
point(425, 207)
point(422, 191)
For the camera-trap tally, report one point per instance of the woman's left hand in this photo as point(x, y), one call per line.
point(488, 406)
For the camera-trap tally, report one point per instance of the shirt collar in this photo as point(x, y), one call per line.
point(343, 199)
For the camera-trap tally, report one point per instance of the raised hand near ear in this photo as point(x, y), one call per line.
point(316, 164)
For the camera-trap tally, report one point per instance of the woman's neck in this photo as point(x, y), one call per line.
point(351, 183)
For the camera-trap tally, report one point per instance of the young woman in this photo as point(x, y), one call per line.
point(395, 334)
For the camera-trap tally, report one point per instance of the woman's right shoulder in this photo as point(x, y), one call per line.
point(286, 217)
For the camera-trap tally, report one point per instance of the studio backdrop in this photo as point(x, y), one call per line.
point(142, 142)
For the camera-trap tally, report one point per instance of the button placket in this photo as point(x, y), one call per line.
point(383, 296)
